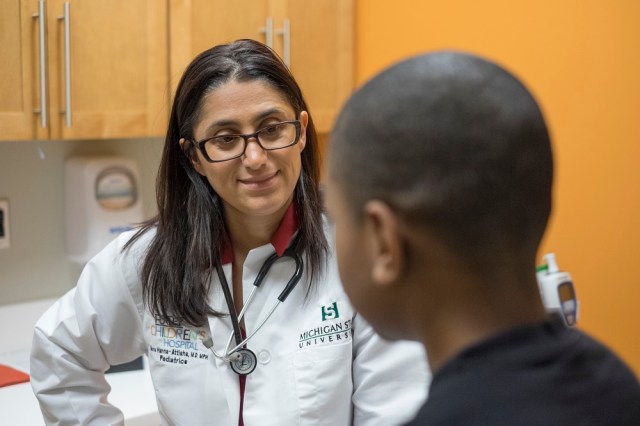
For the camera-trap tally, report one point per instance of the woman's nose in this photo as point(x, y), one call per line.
point(254, 154)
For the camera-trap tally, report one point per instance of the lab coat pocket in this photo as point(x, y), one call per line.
point(324, 384)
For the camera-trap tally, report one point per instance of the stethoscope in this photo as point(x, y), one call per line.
point(242, 360)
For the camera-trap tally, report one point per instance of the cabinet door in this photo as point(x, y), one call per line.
point(321, 54)
point(118, 68)
point(197, 25)
point(320, 41)
point(19, 71)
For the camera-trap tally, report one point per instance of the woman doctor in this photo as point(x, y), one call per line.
point(238, 191)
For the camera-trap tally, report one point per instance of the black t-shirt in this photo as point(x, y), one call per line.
point(537, 375)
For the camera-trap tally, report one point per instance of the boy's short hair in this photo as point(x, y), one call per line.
point(453, 143)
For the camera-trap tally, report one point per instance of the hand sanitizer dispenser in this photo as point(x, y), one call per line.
point(102, 199)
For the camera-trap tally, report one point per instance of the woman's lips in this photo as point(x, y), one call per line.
point(259, 182)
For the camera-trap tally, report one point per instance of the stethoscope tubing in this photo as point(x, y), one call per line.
point(241, 344)
point(290, 252)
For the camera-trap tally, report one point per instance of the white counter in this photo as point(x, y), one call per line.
point(131, 391)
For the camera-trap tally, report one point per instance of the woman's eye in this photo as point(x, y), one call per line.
point(225, 139)
point(270, 129)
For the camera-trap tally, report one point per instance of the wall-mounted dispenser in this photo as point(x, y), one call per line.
point(103, 199)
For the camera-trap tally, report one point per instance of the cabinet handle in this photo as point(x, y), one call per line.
point(267, 30)
point(67, 65)
point(285, 32)
point(43, 70)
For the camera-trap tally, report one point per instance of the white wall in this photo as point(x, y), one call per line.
point(36, 265)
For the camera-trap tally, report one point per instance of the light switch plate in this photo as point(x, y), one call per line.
point(5, 232)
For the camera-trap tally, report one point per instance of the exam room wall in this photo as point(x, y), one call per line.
point(581, 59)
point(36, 265)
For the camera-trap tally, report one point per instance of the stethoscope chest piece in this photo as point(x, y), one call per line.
point(243, 361)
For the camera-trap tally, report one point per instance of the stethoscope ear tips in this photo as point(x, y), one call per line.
point(235, 357)
point(208, 342)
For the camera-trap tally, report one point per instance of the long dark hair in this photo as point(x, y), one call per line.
point(190, 226)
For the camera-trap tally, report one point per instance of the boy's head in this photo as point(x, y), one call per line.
point(446, 148)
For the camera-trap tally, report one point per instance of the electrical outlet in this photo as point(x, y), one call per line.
point(4, 224)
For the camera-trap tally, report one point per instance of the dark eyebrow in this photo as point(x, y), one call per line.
point(259, 117)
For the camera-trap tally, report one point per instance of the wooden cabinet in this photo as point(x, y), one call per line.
point(315, 37)
point(105, 62)
point(109, 69)
point(19, 93)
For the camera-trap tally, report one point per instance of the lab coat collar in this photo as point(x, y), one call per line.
point(279, 240)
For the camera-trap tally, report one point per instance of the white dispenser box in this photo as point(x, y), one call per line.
point(557, 291)
point(103, 199)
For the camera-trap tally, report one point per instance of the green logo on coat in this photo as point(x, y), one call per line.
point(330, 312)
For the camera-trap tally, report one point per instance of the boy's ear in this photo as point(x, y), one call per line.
point(190, 152)
point(387, 245)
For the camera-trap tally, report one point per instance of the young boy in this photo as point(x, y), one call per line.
point(439, 183)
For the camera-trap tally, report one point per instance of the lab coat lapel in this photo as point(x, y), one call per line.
point(222, 377)
point(266, 295)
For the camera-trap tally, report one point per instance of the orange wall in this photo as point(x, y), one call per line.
point(581, 58)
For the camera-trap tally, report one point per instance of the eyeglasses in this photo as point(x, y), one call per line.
point(227, 147)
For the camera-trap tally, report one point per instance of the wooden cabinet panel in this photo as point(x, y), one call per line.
point(118, 65)
point(19, 72)
point(118, 58)
point(197, 25)
point(322, 54)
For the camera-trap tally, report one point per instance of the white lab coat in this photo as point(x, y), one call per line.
point(319, 363)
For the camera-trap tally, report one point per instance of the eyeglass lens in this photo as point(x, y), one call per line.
point(276, 136)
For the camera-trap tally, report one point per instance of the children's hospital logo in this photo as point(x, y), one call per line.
point(172, 343)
